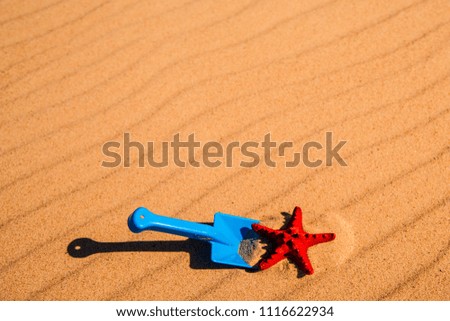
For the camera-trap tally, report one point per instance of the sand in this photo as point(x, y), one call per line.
point(74, 76)
point(253, 248)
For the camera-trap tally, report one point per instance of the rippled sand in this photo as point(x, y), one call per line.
point(72, 77)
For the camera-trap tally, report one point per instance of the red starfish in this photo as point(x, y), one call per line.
point(291, 242)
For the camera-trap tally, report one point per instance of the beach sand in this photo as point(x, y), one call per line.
point(75, 75)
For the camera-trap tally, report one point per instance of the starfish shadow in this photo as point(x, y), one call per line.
point(287, 217)
point(300, 273)
point(200, 252)
point(268, 247)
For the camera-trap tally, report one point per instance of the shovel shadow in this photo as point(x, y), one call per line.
point(200, 252)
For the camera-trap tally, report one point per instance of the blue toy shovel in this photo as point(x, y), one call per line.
point(225, 236)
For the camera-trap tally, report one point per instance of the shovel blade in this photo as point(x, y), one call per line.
point(233, 230)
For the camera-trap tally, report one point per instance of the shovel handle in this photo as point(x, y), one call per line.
point(142, 219)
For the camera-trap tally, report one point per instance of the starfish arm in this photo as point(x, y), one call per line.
point(296, 219)
point(272, 259)
point(320, 238)
point(300, 258)
point(263, 230)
